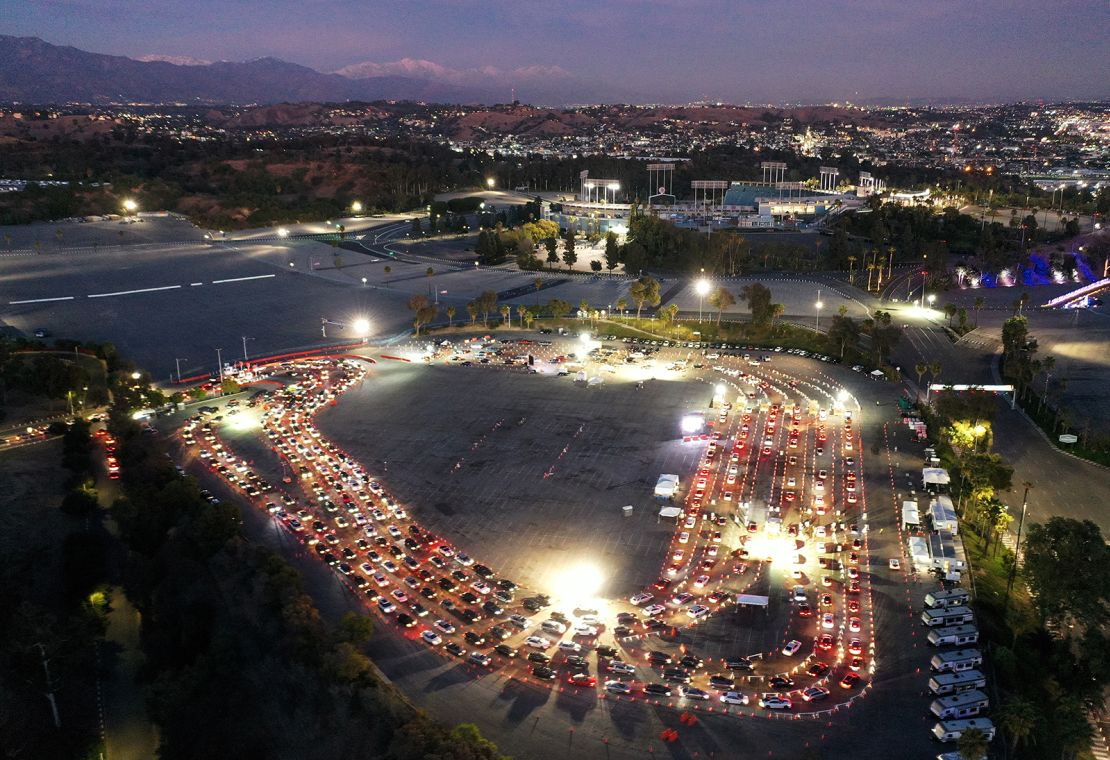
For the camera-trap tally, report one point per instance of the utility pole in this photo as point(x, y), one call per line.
point(220, 364)
point(178, 363)
point(1017, 549)
point(49, 686)
point(245, 339)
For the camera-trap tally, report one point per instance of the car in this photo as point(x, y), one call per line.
point(642, 598)
point(855, 646)
point(474, 638)
point(825, 642)
point(854, 624)
point(655, 609)
point(721, 681)
point(431, 637)
point(582, 629)
point(693, 692)
point(658, 658)
point(657, 689)
point(399, 595)
point(850, 680)
point(538, 642)
point(739, 663)
point(678, 675)
point(815, 693)
point(544, 672)
point(856, 663)
point(499, 633)
point(570, 646)
point(791, 647)
point(782, 682)
point(479, 658)
point(853, 605)
point(505, 650)
point(581, 679)
point(624, 668)
point(455, 649)
point(469, 597)
point(818, 669)
point(853, 573)
point(606, 651)
point(775, 702)
point(622, 631)
point(895, 564)
point(444, 626)
point(701, 581)
point(519, 621)
point(386, 606)
point(405, 620)
point(804, 610)
point(617, 687)
point(734, 698)
point(826, 600)
point(538, 657)
point(698, 611)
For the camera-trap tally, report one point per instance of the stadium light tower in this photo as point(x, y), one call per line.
point(701, 287)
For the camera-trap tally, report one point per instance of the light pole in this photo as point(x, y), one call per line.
point(701, 287)
point(1017, 549)
point(245, 339)
point(178, 363)
point(220, 364)
point(818, 306)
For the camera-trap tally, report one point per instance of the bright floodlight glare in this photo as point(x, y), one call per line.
point(720, 389)
point(356, 207)
point(614, 186)
point(585, 338)
point(282, 232)
point(932, 298)
point(361, 327)
point(130, 204)
point(820, 304)
point(136, 375)
point(701, 287)
point(577, 584)
point(490, 183)
point(842, 395)
point(692, 423)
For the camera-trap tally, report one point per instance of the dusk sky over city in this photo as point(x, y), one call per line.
point(651, 49)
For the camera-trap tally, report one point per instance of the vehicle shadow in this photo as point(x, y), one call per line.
point(525, 698)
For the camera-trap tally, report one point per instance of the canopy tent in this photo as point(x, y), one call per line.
point(666, 486)
point(751, 600)
point(935, 476)
point(910, 516)
point(670, 513)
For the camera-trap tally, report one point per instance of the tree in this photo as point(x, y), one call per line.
point(417, 230)
point(612, 252)
point(972, 744)
point(758, 298)
point(844, 332)
point(595, 265)
point(558, 308)
point(980, 302)
point(950, 310)
point(669, 313)
point(720, 299)
point(777, 310)
point(521, 310)
point(920, 368)
point(388, 270)
point(1067, 566)
point(538, 282)
point(851, 266)
point(552, 246)
point(506, 313)
point(569, 256)
point(934, 370)
point(621, 304)
point(486, 302)
point(645, 290)
point(450, 316)
point(417, 302)
point(1019, 717)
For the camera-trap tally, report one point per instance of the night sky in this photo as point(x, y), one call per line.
point(736, 50)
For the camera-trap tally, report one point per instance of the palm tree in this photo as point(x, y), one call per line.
point(621, 304)
point(506, 312)
point(980, 302)
point(1019, 718)
point(521, 310)
point(472, 310)
point(538, 282)
point(972, 744)
point(851, 269)
point(388, 269)
point(950, 310)
point(584, 305)
point(921, 368)
point(450, 315)
point(777, 310)
point(529, 318)
point(720, 299)
point(934, 370)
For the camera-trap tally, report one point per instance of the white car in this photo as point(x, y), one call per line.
point(464, 560)
point(691, 521)
point(538, 642)
point(828, 621)
point(641, 598)
point(734, 698)
point(584, 629)
point(480, 659)
point(444, 626)
point(683, 537)
point(616, 666)
point(431, 637)
point(774, 702)
point(791, 647)
point(682, 598)
point(701, 581)
point(791, 482)
point(654, 609)
point(895, 564)
point(698, 611)
point(617, 687)
point(570, 646)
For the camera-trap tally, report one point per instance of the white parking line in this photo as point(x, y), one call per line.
point(194, 284)
point(132, 292)
point(41, 300)
point(242, 279)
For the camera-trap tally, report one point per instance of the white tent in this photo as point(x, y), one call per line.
point(670, 513)
point(934, 476)
point(910, 517)
point(666, 486)
point(594, 381)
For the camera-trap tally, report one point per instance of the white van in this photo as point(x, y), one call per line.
point(963, 705)
point(952, 730)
